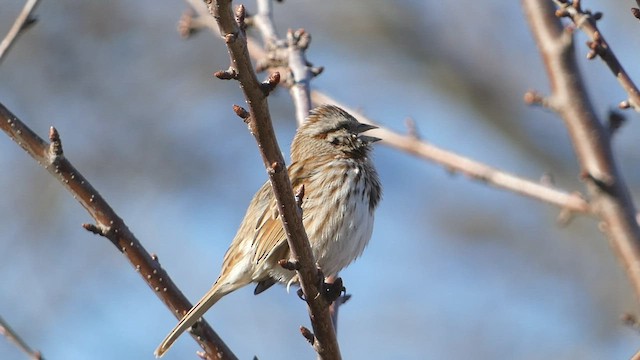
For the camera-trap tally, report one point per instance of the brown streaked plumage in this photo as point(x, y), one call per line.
point(330, 157)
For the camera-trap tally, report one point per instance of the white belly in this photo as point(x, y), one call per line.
point(341, 237)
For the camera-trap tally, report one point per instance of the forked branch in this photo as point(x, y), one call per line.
point(591, 140)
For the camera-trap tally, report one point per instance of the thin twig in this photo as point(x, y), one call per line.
point(263, 20)
point(259, 121)
point(23, 22)
point(609, 195)
point(474, 169)
point(13, 337)
point(297, 43)
point(110, 225)
point(586, 21)
point(287, 56)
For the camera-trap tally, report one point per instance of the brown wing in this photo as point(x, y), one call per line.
point(270, 238)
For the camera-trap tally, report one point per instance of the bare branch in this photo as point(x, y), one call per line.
point(263, 21)
point(110, 225)
point(609, 195)
point(586, 21)
point(259, 121)
point(13, 337)
point(475, 170)
point(297, 43)
point(23, 22)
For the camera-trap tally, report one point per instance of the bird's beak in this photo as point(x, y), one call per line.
point(364, 138)
point(364, 127)
point(368, 139)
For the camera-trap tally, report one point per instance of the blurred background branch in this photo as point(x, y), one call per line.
point(23, 21)
point(13, 337)
point(585, 20)
point(592, 143)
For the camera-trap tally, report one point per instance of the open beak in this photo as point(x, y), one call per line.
point(366, 127)
point(368, 139)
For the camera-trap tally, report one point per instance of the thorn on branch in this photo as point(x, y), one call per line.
point(307, 334)
point(229, 74)
point(626, 104)
point(533, 97)
point(93, 228)
point(55, 147)
point(275, 167)
point(242, 113)
point(596, 46)
point(241, 13)
point(230, 38)
point(289, 264)
point(270, 84)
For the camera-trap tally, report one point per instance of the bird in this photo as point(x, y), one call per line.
point(331, 158)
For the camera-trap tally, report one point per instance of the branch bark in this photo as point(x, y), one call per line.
point(259, 121)
point(586, 21)
point(13, 337)
point(23, 21)
point(111, 226)
point(609, 195)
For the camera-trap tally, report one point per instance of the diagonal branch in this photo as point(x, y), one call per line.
point(12, 336)
point(572, 202)
point(259, 121)
point(23, 22)
point(609, 195)
point(586, 21)
point(110, 225)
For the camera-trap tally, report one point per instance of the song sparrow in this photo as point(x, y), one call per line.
point(330, 157)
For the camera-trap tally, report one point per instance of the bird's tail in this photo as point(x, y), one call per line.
point(207, 301)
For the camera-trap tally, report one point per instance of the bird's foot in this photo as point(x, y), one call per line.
point(332, 291)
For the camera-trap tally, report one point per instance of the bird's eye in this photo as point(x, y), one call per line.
point(335, 141)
